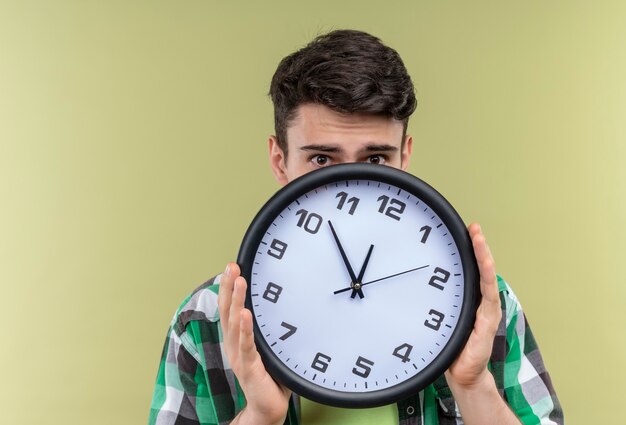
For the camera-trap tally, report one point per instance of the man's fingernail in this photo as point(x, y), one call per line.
point(227, 271)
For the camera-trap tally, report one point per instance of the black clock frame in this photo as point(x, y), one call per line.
point(411, 184)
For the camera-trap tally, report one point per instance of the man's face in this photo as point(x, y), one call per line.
point(319, 136)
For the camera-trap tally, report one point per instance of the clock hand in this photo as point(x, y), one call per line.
point(343, 253)
point(394, 275)
point(356, 286)
point(367, 259)
point(382, 278)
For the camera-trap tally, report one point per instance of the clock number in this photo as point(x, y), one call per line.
point(291, 330)
point(426, 230)
point(277, 249)
point(390, 211)
point(272, 292)
point(309, 222)
point(365, 367)
point(436, 278)
point(321, 362)
point(402, 352)
point(343, 196)
point(434, 322)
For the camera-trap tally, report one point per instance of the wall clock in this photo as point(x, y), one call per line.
point(362, 282)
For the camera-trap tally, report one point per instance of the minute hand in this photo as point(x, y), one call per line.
point(382, 278)
point(343, 253)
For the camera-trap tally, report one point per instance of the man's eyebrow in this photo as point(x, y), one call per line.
point(320, 148)
point(335, 149)
point(378, 148)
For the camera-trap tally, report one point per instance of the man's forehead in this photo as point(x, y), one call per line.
point(321, 115)
point(328, 130)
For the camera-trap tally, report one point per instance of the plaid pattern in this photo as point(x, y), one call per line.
point(195, 384)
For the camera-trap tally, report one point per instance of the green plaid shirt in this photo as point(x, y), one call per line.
point(195, 384)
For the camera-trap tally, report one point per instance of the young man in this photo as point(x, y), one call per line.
point(345, 97)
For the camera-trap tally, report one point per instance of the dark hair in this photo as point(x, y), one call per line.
point(350, 72)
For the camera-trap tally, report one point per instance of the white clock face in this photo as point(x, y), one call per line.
point(371, 328)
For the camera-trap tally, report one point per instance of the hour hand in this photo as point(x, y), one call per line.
point(356, 286)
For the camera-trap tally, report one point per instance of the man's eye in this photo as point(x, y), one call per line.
point(376, 159)
point(320, 160)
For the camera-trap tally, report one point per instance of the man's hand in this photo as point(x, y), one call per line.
point(471, 365)
point(472, 385)
point(267, 401)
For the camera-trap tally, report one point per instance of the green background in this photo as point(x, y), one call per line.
point(133, 155)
